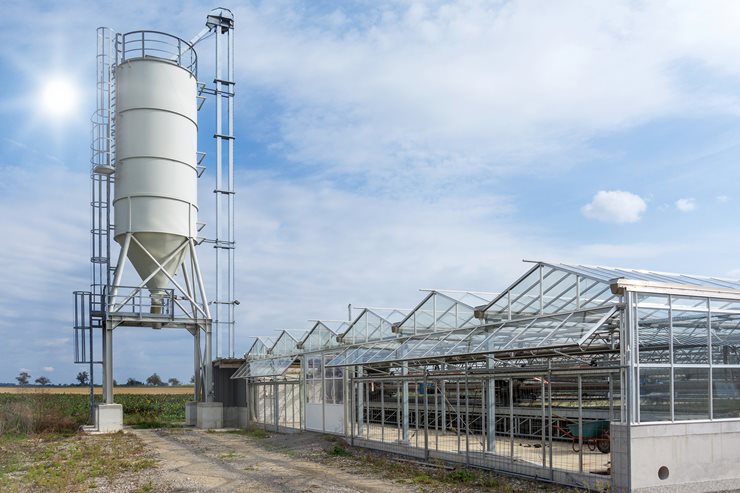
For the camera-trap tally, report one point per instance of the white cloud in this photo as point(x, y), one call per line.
point(686, 205)
point(440, 89)
point(615, 206)
point(48, 369)
point(722, 199)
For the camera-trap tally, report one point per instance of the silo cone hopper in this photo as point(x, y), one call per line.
point(161, 247)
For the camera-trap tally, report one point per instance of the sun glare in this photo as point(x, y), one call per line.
point(58, 97)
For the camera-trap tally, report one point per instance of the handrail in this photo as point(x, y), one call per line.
point(159, 45)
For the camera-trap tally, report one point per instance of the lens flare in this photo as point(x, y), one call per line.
point(58, 97)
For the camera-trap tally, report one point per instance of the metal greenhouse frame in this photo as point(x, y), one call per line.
point(555, 378)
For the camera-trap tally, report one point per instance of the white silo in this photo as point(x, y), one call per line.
point(156, 176)
point(145, 170)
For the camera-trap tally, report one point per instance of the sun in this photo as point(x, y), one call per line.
point(59, 97)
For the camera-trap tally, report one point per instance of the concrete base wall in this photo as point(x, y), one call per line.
point(231, 416)
point(108, 418)
point(243, 417)
point(191, 413)
point(210, 415)
point(672, 457)
point(236, 417)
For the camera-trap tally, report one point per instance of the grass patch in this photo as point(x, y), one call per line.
point(251, 432)
point(460, 476)
point(423, 478)
point(67, 462)
point(145, 488)
point(339, 451)
point(228, 455)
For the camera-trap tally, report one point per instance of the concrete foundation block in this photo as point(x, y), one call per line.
point(243, 417)
point(108, 418)
point(236, 417)
point(210, 415)
point(231, 417)
point(191, 413)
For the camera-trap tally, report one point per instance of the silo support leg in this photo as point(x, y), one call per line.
point(108, 364)
point(197, 366)
point(208, 363)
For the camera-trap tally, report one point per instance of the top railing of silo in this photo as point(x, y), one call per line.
point(159, 45)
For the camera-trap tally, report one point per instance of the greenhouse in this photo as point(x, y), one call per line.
point(584, 376)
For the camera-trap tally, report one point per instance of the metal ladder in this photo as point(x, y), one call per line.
point(91, 306)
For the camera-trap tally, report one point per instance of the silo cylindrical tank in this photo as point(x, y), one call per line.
point(156, 170)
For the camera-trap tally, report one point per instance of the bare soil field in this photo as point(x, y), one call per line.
point(184, 389)
point(190, 460)
point(187, 460)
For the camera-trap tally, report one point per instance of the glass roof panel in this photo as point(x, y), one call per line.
point(241, 372)
point(378, 352)
point(260, 348)
point(547, 331)
point(595, 293)
point(269, 367)
point(548, 289)
point(606, 274)
point(319, 337)
point(440, 311)
point(285, 344)
point(525, 296)
point(369, 326)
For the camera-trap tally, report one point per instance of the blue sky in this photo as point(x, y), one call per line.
point(384, 147)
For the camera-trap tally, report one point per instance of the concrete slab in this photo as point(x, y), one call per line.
point(191, 413)
point(210, 415)
point(108, 418)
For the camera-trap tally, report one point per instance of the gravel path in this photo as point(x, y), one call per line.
point(196, 460)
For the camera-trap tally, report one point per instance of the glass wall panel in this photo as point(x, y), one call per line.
point(726, 392)
point(653, 332)
point(691, 393)
point(333, 390)
point(689, 303)
point(690, 336)
point(654, 300)
point(314, 391)
point(725, 338)
point(727, 306)
point(655, 395)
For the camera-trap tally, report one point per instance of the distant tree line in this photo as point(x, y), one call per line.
point(24, 377)
point(83, 378)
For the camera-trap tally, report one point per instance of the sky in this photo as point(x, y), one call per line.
point(385, 147)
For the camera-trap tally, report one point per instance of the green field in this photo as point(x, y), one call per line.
point(27, 414)
point(41, 448)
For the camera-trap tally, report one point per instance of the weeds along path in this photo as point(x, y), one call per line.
point(197, 460)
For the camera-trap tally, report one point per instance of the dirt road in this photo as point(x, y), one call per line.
point(196, 460)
